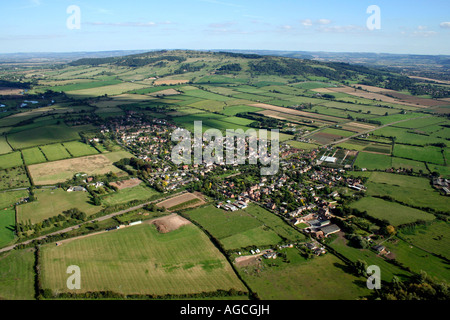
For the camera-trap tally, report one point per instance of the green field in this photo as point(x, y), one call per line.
point(10, 160)
point(139, 260)
point(416, 166)
point(140, 192)
point(414, 191)
point(33, 156)
point(432, 238)
point(52, 202)
point(110, 90)
point(54, 152)
point(338, 132)
point(42, 136)
point(259, 236)
point(302, 145)
point(441, 170)
point(388, 270)
point(4, 146)
point(393, 212)
point(7, 226)
point(407, 136)
point(427, 154)
point(322, 278)
point(17, 275)
point(354, 145)
point(373, 161)
point(309, 85)
point(233, 229)
point(419, 260)
point(79, 149)
point(9, 198)
point(82, 86)
point(275, 223)
point(232, 111)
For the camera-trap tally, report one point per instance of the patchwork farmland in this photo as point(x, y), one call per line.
point(87, 179)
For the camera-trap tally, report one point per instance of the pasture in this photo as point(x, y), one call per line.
point(373, 161)
point(432, 238)
point(9, 198)
point(10, 160)
point(322, 278)
point(7, 226)
point(60, 171)
point(302, 145)
point(52, 202)
point(419, 260)
point(4, 146)
point(426, 154)
point(110, 90)
point(233, 110)
point(340, 244)
point(412, 190)
point(395, 213)
point(140, 192)
point(55, 152)
point(79, 149)
point(42, 136)
point(416, 166)
point(233, 229)
point(33, 156)
point(406, 136)
point(275, 223)
point(17, 275)
point(139, 260)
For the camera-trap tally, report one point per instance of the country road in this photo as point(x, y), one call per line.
point(109, 216)
point(371, 130)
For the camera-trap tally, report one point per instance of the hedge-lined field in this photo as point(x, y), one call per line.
point(139, 260)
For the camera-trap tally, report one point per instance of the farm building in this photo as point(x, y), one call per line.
point(330, 229)
point(328, 159)
point(76, 189)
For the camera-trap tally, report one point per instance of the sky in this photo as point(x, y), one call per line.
point(406, 27)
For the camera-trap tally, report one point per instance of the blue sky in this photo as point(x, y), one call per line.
point(419, 27)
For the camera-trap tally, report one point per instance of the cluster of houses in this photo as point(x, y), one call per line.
point(318, 224)
point(442, 184)
point(355, 184)
point(87, 181)
point(316, 248)
point(233, 206)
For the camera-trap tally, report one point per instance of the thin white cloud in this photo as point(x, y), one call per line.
point(320, 22)
point(422, 27)
point(341, 29)
point(323, 21)
point(445, 25)
point(425, 34)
